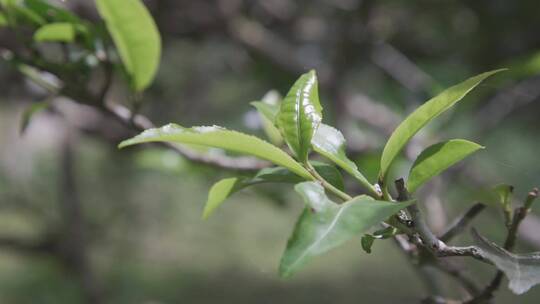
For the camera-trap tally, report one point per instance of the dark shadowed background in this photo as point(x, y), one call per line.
point(136, 212)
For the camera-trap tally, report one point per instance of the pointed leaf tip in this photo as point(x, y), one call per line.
point(219, 137)
point(300, 114)
point(136, 37)
point(423, 115)
point(437, 158)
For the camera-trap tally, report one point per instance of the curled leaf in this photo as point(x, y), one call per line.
point(522, 270)
point(300, 114)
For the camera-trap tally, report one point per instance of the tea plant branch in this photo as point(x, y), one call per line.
point(136, 123)
point(519, 215)
point(461, 223)
point(419, 225)
point(428, 240)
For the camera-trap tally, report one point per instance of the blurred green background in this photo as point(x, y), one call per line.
point(139, 209)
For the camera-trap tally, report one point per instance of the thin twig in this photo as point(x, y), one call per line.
point(140, 123)
point(326, 184)
point(428, 240)
point(462, 222)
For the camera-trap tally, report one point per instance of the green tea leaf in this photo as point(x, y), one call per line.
point(325, 225)
point(367, 242)
point(227, 187)
point(369, 239)
point(3, 20)
point(330, 143)
point(55, 32)
point(136, 36)
point(424, 114)
point(522, 270)
point(503, 193)
point(51, 12)
point(437, 158)
point(25, 14)
point(30, 112)
point(219, 192)
point(300, 114)
point(220, 138)
point(268, 109)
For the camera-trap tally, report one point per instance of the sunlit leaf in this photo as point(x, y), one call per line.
point(220, 138)
point(324, 225)
point(136, 36)
point(423, 115)
point(226, 187)
point(300, 114)
point(437, 158)
point(55, 32)
point(330, 143)
point(522, 270)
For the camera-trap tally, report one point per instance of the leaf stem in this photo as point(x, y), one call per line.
point(325, 183)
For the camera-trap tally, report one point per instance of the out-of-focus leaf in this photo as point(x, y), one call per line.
point(269, 105)
point(424, 114)
point(503, 193)
point(3, 19)
point(25, 14)
point(51, 12)
point(55, 32)
point(325, 225)
point(30, 112)
point(522, 270)
point(136, 36)
point(330, 143)
point(162, 160)
point(300, 114)
point(268, 109)
point(437, 158)
point(227, 187)
point(219, 192)
point(220, 138)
